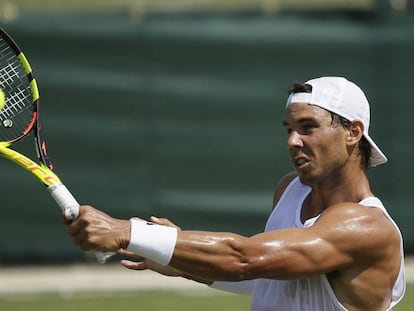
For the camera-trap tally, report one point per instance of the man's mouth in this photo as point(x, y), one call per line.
point(300, 162)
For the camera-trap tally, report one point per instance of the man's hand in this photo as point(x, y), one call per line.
point(140, 263)
point(95, 230)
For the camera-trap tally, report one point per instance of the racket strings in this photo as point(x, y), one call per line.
point(17, 114)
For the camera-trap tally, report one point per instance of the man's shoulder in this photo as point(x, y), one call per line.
point(282, 185)
point(355, 212)
point(355, 209)
point(367, 226)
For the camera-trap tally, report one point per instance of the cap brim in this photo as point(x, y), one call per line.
point(377, 156)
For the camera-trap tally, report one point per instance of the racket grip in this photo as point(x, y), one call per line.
point(70, 208)
point(65, 200)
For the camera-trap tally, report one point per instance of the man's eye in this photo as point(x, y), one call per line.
point(308, 127)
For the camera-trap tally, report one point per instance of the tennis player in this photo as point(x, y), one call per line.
point(329, 243)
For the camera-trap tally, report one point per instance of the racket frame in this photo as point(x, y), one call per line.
point(44, 170)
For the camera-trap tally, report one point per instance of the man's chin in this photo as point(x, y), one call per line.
point(305, 178)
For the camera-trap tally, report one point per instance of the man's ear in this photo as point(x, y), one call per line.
point(355, 132)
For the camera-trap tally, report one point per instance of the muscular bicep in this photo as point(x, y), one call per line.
point(280, 254)
point(293, 253)
point(340, 238)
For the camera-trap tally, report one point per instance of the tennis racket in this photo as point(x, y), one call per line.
point(19, 117)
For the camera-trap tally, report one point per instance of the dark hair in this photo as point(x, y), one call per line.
point(363, 146)
point(298, 87)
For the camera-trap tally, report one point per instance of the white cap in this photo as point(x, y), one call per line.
point(345, 98)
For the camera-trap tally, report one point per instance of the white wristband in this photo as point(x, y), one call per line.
point(152, 241)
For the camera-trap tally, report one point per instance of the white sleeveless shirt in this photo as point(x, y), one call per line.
point(310, 293)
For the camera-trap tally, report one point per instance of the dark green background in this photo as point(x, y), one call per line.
point(179, 115)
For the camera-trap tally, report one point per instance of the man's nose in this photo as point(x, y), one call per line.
point(294, 140)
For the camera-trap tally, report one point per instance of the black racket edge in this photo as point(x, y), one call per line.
point(40, 144)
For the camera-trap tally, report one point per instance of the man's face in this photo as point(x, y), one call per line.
point(316, 145)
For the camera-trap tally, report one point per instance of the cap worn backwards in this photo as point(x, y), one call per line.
point(345, 98)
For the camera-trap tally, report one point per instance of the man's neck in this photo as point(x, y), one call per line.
point(334, 190)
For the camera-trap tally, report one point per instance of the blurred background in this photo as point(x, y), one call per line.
point(174, 108)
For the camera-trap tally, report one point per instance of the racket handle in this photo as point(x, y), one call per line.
point(65, 200)
point(70, 208)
